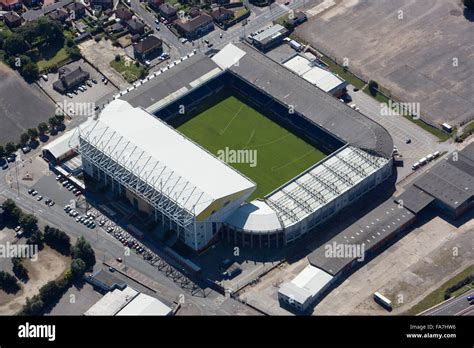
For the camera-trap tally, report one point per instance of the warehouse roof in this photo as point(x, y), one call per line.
point(414, 199)
point(306, 284)
point(112, 302)
point(367, 232)
point(163, 157)
point(145, 305)
point(315, 75)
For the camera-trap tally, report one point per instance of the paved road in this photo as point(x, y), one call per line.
point(401, 129)
point(455, 306)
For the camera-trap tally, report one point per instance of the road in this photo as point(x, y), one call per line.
point(456, 306)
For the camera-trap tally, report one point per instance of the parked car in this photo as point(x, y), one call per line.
point(39, 198)
point(44, 77)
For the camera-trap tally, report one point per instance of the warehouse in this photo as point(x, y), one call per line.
point(302, 291)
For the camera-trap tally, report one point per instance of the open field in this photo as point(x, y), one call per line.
point(407, 46)
point(50, 265)
point(280, 155)
point(22, 105)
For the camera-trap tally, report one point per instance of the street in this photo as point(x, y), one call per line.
point(456, 306)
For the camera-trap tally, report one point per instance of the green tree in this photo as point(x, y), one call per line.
point(11, 210)
point(53, 121)
point(24, 138)
point(19, 269)
point(33, 306)
point(29, 222)
point(15, 44)
point(78, 268)
point(83, 250)
point(49, 292)
point(30, 72)
point(42, 128)
point(373, 87)
point(33, 133)
point(10, 148)
point(36, 238)
point(60, 118)
point(8, 283)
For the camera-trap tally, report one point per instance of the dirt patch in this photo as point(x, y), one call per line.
point(50, 265)
point(100, 54)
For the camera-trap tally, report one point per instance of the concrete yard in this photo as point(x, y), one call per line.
point(23, 105)
point(422, 53)
point(407, 271)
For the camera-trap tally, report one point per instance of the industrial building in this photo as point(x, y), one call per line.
point(133, 150)
point(316, 75)
point(302, 290)
point(128, 301)
point(269, 37)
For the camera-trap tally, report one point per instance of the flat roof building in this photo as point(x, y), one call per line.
point(301, 292)
point(321, 78)
point(270, 37)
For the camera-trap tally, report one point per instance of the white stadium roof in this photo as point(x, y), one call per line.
point(256, 216)
point(162, 157)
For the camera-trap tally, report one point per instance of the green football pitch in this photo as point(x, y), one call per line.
point(278, 157)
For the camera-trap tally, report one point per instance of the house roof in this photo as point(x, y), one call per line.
point(150, 42)
point(135, 25)
point(123, 12)
point(58, 14)
point(220, 11)
point(69, 77)
point(76, 6)
point(11, 16)
point(168, 9)
point(193, 24)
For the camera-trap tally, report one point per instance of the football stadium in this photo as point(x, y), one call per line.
point(233, 145)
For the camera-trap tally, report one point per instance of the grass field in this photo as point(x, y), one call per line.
point(280, 155)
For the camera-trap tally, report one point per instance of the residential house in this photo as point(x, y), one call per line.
point(135, 27)
point(59, 15)
point(10, 5)
point(115, 28)
point(70, 79)
point(194, 12)
point(195, 27)
point(221, 14)
point(155, 4)
point(147, 48)
point(102, 4)
point(12, 19)
point(124, 14)
point(77, 8)
point(168, 12)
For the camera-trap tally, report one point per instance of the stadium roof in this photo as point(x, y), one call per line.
point(255, 217)
point(145, 305)
point(163, 157)
point(322, 183)
point(318, 106)
point(62, 145)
